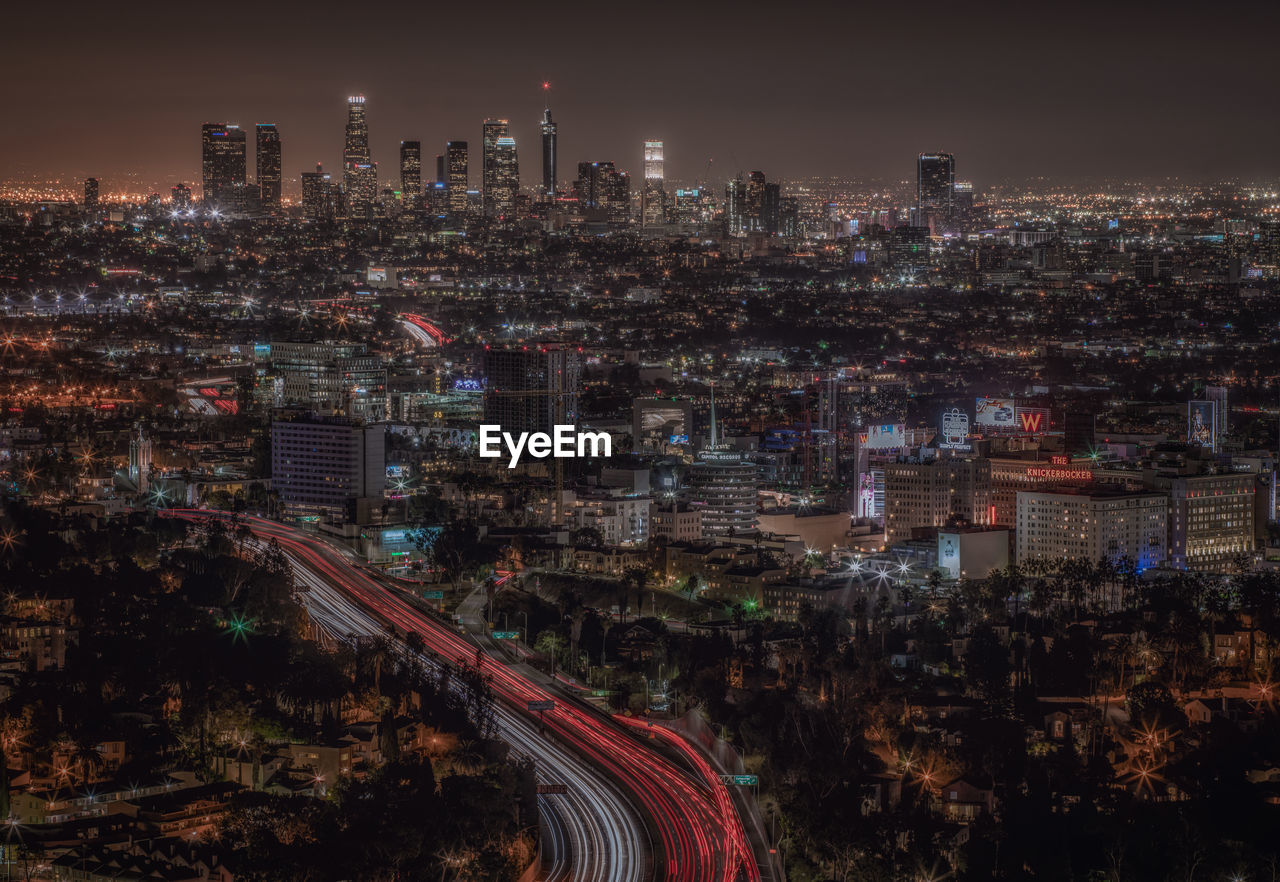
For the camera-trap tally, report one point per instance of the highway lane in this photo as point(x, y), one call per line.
point(591, 832)
point(697, 836)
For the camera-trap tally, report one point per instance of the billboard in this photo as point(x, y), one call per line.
point(996, 413)
point(1033, 420)
point(1202, 424)
point(886, 437)
point(953, 430)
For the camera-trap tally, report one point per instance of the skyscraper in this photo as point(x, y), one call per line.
point(456, 168)
point(222, 163)
point(604, 192)
point(268, 161)
point(549, 130)
point(359, 174)
point(411, 174)
point(90, 194)
point(935, 189)
point(317, 195)
point(532, 390)
point(754, 214)
point(653, 208)
point(506, 179)
point(493, 131)
point(735, 207)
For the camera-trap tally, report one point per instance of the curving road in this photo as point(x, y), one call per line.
point(588, 833)
point(700, 833)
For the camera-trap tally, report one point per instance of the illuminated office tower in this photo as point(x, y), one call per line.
point(532, 390)
point(359, 174)
point(411, 174)
point(317, 195)
point(268, 162)
point(735, 211)
point(500, 198)
point(605, 192)
point(222, 162)
point(935, 189)
point(653, 208)
point(549, 130)
point(494, 131)
point(753, 215)
point(90, 194)
point(962, 200)
point(456, 168)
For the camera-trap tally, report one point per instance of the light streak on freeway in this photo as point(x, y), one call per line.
point(422, 330)
point(589, 833)
point(699, 835)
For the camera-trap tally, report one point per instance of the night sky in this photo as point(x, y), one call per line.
point(1061, 90)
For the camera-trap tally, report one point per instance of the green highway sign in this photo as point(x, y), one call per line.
point(506, 635)
point(741, 780)
point(434, 595)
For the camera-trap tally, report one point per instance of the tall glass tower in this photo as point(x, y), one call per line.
point(653, 208)
point(494, 130)
point(359, 174)
point(268, 161)
point(935, 188)
point(411, 174)
point(549, 130)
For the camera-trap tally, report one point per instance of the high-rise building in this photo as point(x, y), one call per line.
point(935, 492)
point(532, 390)
point(935, 189)
point(909, 249)
point(653, 207)
point(500, 199)
point(1091, 525)
point(1269, 243)
point(604, 192)
point(320, 465)
point(222, 163)
point(268, 164)
point(180, 197)
point(90, 194)
point(722, 484)
point(411, 174)
point(331, 378)
point(317, 195)
point(359, 174)
point(456, 168)
point(493, 131)
point(1211, 518)
point(549, 135)
point(735, 207)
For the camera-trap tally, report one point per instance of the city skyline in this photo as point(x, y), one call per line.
point(1040, 104)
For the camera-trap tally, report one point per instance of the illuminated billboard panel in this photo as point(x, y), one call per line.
point(996, 413)
point(886, 437)
point(1202, 424)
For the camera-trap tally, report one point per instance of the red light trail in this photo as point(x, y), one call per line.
point(701, 834)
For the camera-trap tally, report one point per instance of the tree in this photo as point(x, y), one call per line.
point(551, 644)
point(454, 549)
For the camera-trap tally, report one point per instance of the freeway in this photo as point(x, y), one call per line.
point(426, 333)
point(699, 832)
point(588, 833)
